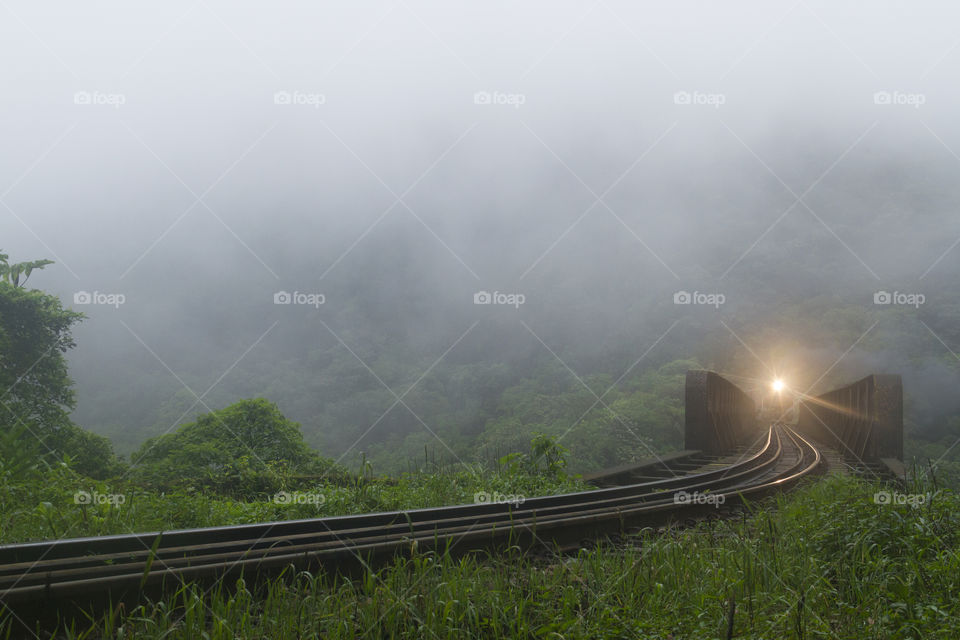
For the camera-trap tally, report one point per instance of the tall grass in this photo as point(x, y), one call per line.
point(825, 561)
point(43, 504)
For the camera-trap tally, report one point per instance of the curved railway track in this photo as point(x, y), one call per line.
point(46, 579)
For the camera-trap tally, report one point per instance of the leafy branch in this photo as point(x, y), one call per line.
point(11, 273)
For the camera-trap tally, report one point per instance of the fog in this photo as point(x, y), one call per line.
point(595, 158)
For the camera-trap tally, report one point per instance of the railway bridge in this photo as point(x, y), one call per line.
point(862, 421)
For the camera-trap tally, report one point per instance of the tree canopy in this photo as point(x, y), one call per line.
point(246, 448)
point(36, 391)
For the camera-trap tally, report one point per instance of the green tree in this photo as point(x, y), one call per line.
point(34, 334)
point(35, 389)
point(245, 449)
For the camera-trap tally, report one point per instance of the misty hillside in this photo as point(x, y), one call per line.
point(599, 300)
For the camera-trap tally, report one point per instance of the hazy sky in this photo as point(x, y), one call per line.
point(183, 107)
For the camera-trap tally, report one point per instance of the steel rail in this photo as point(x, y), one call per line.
point(43, 577)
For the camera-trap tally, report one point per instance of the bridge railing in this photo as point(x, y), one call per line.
point(719, 416)
point(863, 420)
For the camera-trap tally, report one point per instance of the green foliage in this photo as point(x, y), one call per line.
point(547, 457)
point(16, 452)
point(10, 273)
point(825, 561)
point(244, 450)
point(35, 390)
point(38, 501)
point(938, 461)
point(90, 454)
point(34, 335)
point(640, 415)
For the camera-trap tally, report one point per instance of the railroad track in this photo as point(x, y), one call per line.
point(40, 581)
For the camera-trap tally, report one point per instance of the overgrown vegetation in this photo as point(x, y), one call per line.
point(52, 501)
point(246, 450)
point(825, 561)
point(35, 332)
